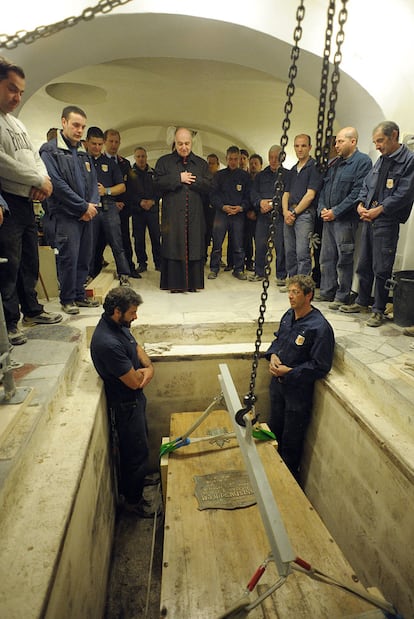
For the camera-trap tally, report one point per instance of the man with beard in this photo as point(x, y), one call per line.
point(182, 179)
point(125, 369)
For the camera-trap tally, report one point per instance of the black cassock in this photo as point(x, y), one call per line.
point(182, 220)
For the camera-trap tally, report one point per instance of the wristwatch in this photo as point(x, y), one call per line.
point(108, 191)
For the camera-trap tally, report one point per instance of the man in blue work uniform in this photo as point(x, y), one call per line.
point(72, 206)
point(230, 196)
point(146, 212)
point(301, 353)
point(261, 194)
point(336, 208)
point(385, 201)
point(125, 369)
point(107, 225)
point(299, 208)
point(124, 201)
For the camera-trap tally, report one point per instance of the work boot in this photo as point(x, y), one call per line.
point(86, 302)
point(375, 320)
point(255, 278)
point(123, 280)
point(142, 509)
point(70, 308)
point(16, 337)
point(335, 305)
point(354, 308)
point(44, 318)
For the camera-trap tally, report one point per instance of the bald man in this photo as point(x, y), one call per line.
point(337, 209)
point(261, 196)
point(182, 179)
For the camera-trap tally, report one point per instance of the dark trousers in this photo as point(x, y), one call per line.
point(261, 241)
point(290, 411)
point(125, 216)
point(209, 213)
point(249, 235)
point(141, 220)
point(337, 259)
point(376, 260)
point(234, 224)
point(132, 430)
point(107, 230)
point(73, 241)
point(19, 244)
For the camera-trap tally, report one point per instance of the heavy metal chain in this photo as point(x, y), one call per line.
point(322, 152)
point(324, 82)
point(250, 398)
point(27, 37)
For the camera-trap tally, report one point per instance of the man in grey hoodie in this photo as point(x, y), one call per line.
point(23, 178)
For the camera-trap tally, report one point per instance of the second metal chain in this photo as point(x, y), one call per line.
point(250, 398)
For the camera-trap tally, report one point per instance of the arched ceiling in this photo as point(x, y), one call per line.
point(151, 71)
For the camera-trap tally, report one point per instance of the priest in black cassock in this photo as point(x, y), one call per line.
point(182, 179)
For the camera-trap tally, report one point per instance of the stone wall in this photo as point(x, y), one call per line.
point(363, 491)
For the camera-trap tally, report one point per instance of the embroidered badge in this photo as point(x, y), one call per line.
point(104, 167)
point(88, 166)
point(239, 187)
point(390, 183)
point(300, 340)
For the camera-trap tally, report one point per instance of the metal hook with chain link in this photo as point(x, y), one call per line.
point(23, 36)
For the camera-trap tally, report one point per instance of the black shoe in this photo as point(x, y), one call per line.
point(239, 275)
point(228, 268)
point(141, 268)
point(135, 274)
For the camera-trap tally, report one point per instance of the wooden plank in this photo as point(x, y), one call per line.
point(210, 555)
point(100, 285)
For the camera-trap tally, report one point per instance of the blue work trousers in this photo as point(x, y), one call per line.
point(378, 246)
point(73, 241)
point(290, 412)
point(297, 243)
point(141, 220)
point(234, 224)
point(125, 217)
point(18, 276)
point(261, 242)
point(107, 230)
point(337, 259)
point(132, 433)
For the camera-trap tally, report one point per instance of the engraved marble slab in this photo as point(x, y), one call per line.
point(224, 490)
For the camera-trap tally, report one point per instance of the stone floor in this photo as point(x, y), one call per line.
point(384, 351)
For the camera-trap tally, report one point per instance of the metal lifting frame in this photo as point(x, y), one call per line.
point(279, 542)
